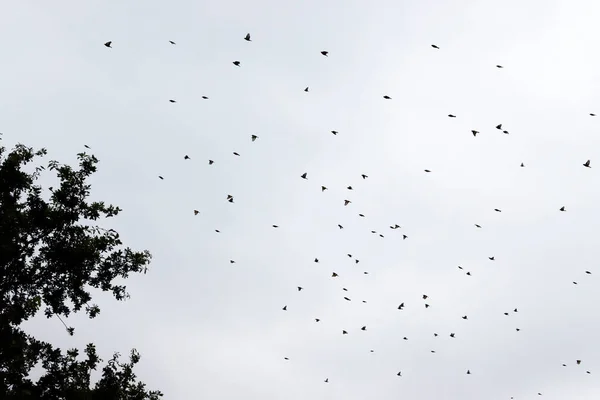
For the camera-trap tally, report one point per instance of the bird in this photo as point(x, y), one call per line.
point(316, 260)
point(333, 275)
point(306, 90)
point(236, 154)
point(364, 328)
point(587, 164)
point(361, 215)
point(474, 132)
point(247, 37)
point(349, 188)
point(344, 333)
point(161, 177)
point(254, 137)
point(317, 319)
point(499, 126)
point(233, 262)
point(108, 44)
point(341, 227)
point(205, 98)
point(425, 297)
point(300, 288)
point(326, 380)
point(435, 47)
point(285, 358)
point(426, 305)
point(172, 101)
point(592, 114)
point(499, 66)
point(404, 237)
point(497, 210)
point(478, 226)
point(196, 212)
point(186, 157)
point(452, 335)
point(427, 170)
point(172, 42)
point(325, 53)
point(334, 132)
point(387, 97)
point(87, 147)
point(452, 116)
point(236, 63)
point(275, 226)
point(491, 258)
point(468, 372)
point(588, 272)
point(578, 362)
point(515, 310)
point(210, 162)
point(284, 308)
point(364, 176)
point(522, 165)
point(323, 188)
point(465, 317)
point(346, 202)
point(399, 373)
point(347, 299)
point(562, 208)
point(303, 176)
point(401, 306)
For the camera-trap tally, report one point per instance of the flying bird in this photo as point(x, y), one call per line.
point(87, 147)
point(325, 53)
point(479, 226)
point(474, 132)
point(434, 46)
point(303, 176)
point(499, 66)
point(196, 212)
point(562, 208)
point(306, 90)
point(236, 63)
point(399, 373)
point(333, 275)
point(522, 165)
point(364, 176)
point(499, 126)
point(172, 42)
point(284, 308)
point(161, 177)
point(491, 258)
point(186, 157)
point(247, 38)
point(497, 210)
point(465, 317)
point(210, 162)
point(254, 137)
point(587, 164)
point(364, 328)
point(387, 97)
point(107, 44)
point(205, 98)
point(172, 101)
point(427, 170)
point(349, 188)
point(323, 188)
point(236, 154)
point(452, 116)
point(346, 202)
point(300, 288)
point(334, 132)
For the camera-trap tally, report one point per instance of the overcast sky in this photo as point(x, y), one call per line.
point(209, 329)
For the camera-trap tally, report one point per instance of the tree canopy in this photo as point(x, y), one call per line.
point(52, 254)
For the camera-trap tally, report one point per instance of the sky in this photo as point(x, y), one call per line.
point(207, 328)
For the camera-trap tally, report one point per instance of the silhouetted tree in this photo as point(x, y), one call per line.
point(51, 254)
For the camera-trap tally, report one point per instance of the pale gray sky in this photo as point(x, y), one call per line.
point(210, 329)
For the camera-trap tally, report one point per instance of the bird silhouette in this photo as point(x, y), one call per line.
point(435, 47)
point(237, 63)
point(587, 164)
point(247, 38)
point(108, 44)
point(325, 53)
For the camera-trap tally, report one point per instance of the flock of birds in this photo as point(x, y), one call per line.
point(346, 202)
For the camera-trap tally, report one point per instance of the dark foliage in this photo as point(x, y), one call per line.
point(51, 255)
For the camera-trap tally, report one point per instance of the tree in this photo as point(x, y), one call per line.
point(51, 254)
